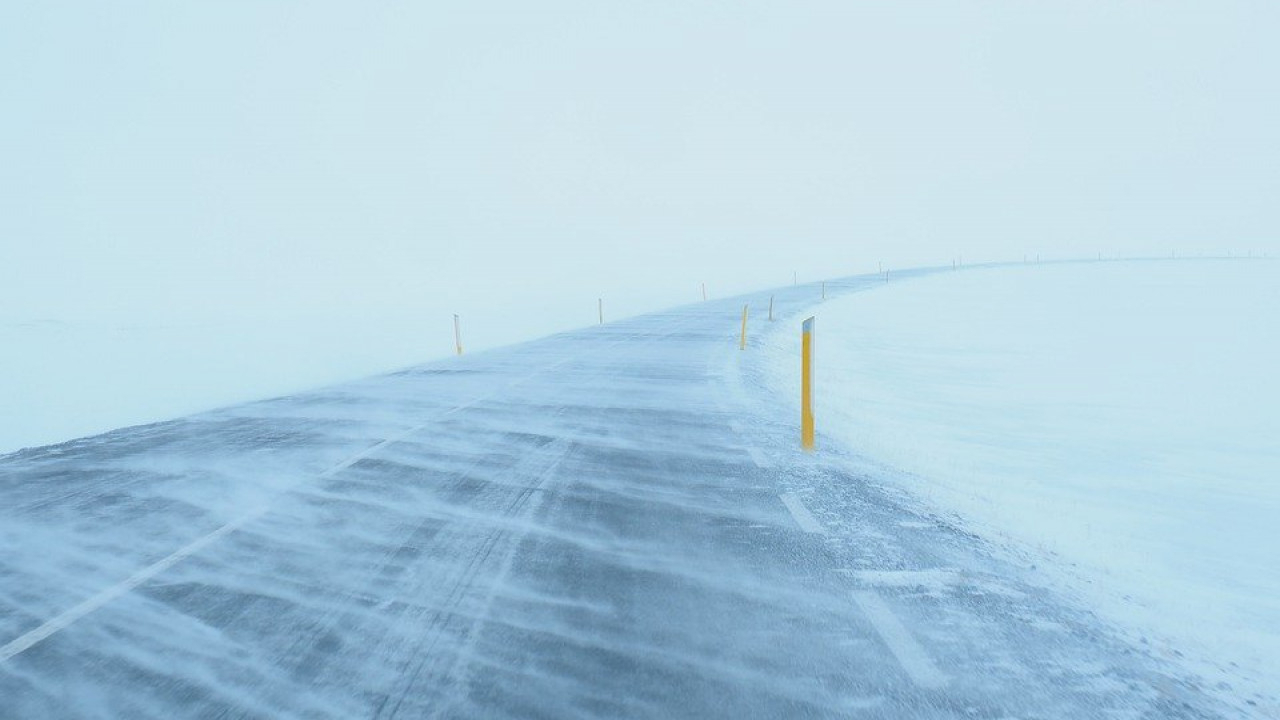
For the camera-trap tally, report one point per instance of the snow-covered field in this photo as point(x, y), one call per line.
point(1117, 420)
point(61, 380)
point(67, 373)
point(82, 374)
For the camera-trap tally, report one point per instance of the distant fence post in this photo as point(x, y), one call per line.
point(824, 289)
point(806, 384)
point(600, 308)
point(704, 292)
point(770, 308)
point(457, 334)
point(742, 344)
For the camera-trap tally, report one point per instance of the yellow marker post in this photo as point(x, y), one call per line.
point(806, 385)
point(742, 345)
point(457, 334)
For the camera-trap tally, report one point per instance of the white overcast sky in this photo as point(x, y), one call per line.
point(161, 158)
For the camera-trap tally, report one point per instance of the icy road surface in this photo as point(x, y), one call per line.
point(614, 522)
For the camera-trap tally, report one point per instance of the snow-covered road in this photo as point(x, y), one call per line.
point(613, 522)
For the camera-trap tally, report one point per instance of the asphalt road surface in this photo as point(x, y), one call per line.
point(612, 522)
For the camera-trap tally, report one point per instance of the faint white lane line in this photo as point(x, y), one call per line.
point(67, 617)
point(801, 514)
point(759, 458)
point(27, 640)
point(910, 655)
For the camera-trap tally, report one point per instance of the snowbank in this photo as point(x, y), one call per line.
point(1118, 416)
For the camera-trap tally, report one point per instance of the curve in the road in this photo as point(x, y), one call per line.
point(613, 522)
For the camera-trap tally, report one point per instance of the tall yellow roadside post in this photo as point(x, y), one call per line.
point(742, 345)
point(457, 334)
point(806, 385)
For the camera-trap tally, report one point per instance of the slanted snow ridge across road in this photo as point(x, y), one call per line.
point(1121, 419)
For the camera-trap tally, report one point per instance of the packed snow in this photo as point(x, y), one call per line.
point(1115, 421)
